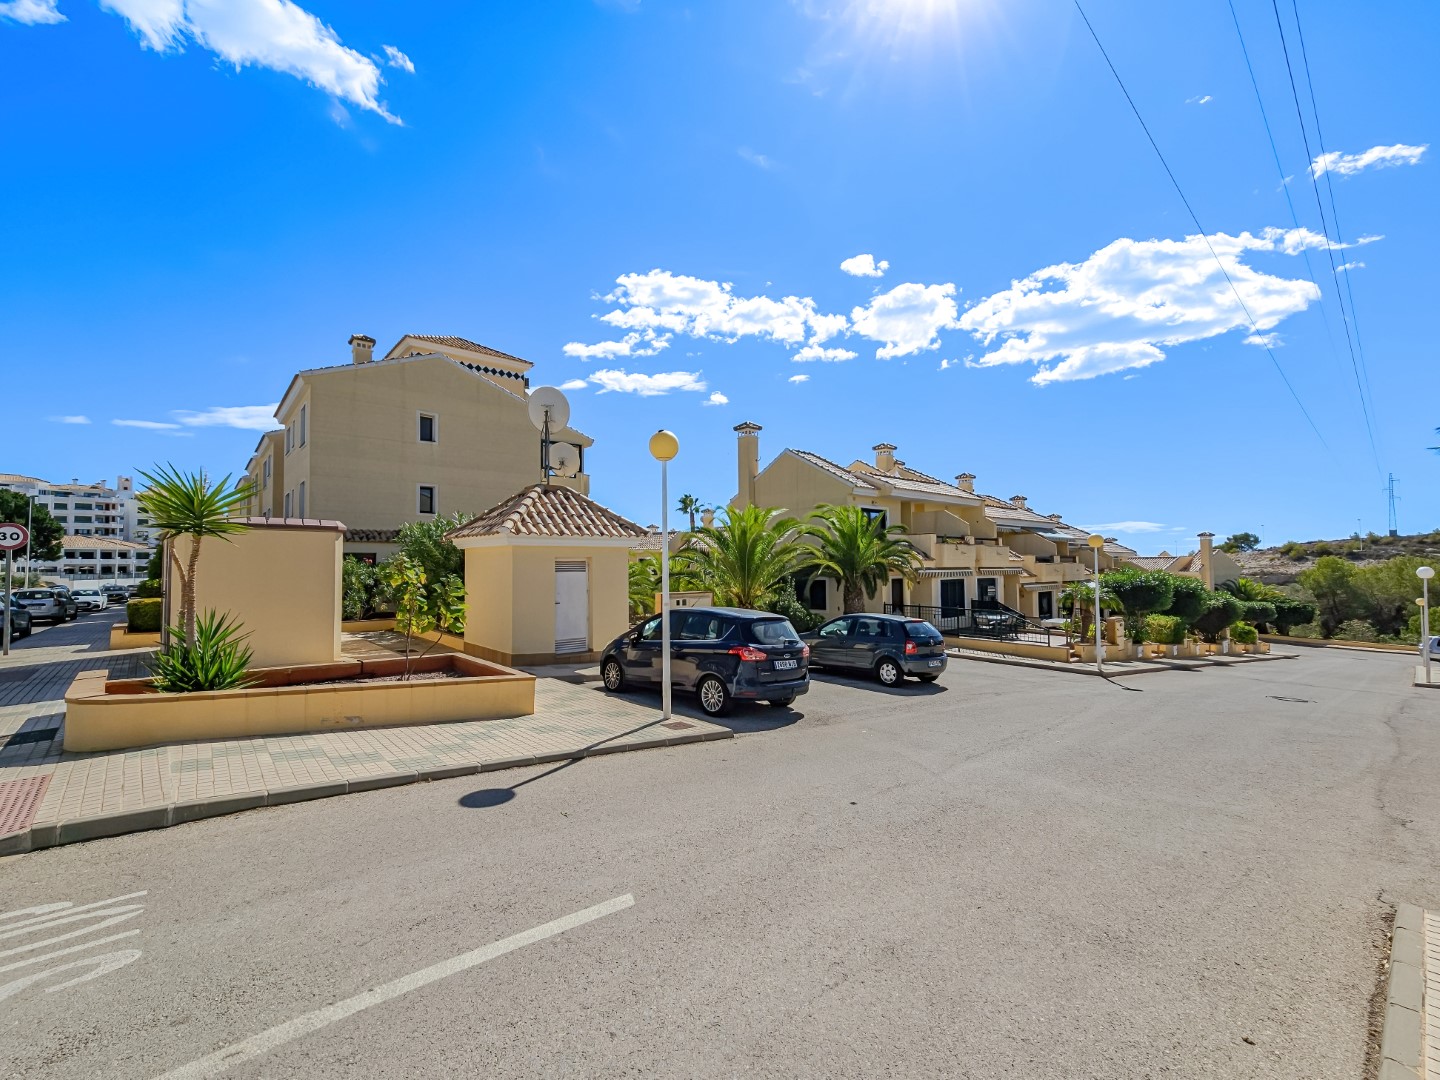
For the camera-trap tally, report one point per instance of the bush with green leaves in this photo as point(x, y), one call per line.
point(1189, 599)
point(1164, 630)
point(155, 565)
point(421, 606)
point(144, 615)
point(1294, 550)
point(1139, 592)
point(1221, 610)
point(362, 589)
point(1356, 630)
point(149, 589)
point(1244, 633)
point(1290, 613)
point(424, 542)
point(1257, 613)
point(1412, 630)
point(786, 603)
point(217, 658)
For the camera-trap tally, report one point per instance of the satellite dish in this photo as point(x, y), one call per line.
point(546, 402)
point(564, 459)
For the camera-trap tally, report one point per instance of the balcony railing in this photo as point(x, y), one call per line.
point(987, 619)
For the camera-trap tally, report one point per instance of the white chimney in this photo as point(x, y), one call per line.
point(966, 481)
point(884, 457)
point(362, 349)
point(1019, 500)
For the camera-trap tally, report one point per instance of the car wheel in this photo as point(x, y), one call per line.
point(888, 672)
point(783, 702)
point(927, 678)
point(714, 696)
point(612, 675)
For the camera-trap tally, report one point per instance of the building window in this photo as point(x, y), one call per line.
point(300, 501)
point(84, 506)
point(816, 595)
point(426, 501)
point(303, 425)
point(877, 517)
point(287, 504)
point(289, 438)
point(265, 482)
point(428, 428)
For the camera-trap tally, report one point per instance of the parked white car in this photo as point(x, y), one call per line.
point(1435, 648)
point(90, 599)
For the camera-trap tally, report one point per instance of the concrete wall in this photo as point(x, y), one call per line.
point(282, 582)
point(798, 487)
point(363, 461)
point(511, 593)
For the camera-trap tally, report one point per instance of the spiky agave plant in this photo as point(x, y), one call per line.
point(217, 658)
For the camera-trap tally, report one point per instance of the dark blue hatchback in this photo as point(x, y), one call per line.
point(723, 654)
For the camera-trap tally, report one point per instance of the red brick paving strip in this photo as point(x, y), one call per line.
point(19, 799)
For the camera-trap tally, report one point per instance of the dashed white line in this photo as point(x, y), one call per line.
point(226, 1057)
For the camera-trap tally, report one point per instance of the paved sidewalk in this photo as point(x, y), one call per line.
point(48, 797)
point(1410, 1042)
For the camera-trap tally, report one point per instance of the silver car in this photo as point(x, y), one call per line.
point(52, 605)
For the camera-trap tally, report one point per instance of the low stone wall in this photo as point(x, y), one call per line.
point(1338, 643)
point(1057, 653)
point(121, 714)
point(121, 638)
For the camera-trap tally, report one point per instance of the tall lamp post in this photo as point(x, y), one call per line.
point(663, 448)
point(1096, 542)
point(1425, 573)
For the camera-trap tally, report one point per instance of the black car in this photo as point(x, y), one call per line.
point(723, 654)
point(887, 646)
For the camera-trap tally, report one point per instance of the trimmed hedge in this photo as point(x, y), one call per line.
point(144, 616)
point(148, 589)
point(1244, 633)
point(1165, 630)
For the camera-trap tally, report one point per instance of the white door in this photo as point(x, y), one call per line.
point(572, 606)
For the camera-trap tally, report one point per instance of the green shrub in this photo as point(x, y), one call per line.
point(149, 589)
point(1293, 550)
point(1165, 630)
point(786, 603)
point(1290, 613)
point(1244, 633)
point(145, 615)
point(1321, 550)
point(361, 588)
point(1311, 629)
point(1257, 612)
point(1222, 609)
point(1189, 599)
point(217, 661)
point(1355, 630)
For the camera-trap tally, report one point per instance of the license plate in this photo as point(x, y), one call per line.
point(785, 665)
point(936, 663)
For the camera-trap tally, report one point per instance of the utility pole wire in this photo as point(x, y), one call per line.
point(1203, 234)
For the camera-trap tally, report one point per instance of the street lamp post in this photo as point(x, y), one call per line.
point(663, 448)
point(1425, 573)
point(1096, 542)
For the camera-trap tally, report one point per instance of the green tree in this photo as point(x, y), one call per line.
point(424, 542)
point(361, 586)
point(1078, 599)
point(421, 606)
point(188, 504)
point(1389, 590)
point(1242, 541)
point(45, 532)
point(1140, 592)
point(1291, 612)
point(1331, 581)
point(1221, 609)
point(743, 558)
point(644, 584)
point(1189, 599)
point(690, 505)
point(855, 549)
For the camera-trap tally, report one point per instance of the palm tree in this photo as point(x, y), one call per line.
point(859, 552)
point(187, 504)
point(644, 584)
point(1079, 598)
point(745, 558)
point(689, 504)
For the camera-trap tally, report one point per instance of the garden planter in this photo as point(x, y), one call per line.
point(1172, 650)
point(115, 715)
point(1225, 647)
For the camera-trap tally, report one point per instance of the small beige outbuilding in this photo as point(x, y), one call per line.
point(280, 577)
point(547, 577)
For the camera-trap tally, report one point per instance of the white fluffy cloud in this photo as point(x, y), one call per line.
point(1126, 303)
point(1356, 265)
point(638, 343)
point(244, 417)
point(1199, 99)
point(717, 398)
point(819, 352)
point(799, 378)
point(70, 419)
point(1128, 527)
point(907, 319)
point(397, 59)
point(1378, 157)
point(275, 34)
point(864, 266)
point(574, 384)
point(627, 382)
point(31, 12)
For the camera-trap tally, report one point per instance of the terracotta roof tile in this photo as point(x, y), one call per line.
point(466, 344)
point(830, 467)
point(100, 543)
point(372, 536)
point(553, 511)
point(652, 540)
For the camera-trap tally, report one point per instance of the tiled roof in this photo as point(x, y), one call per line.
point(290, 523)
point(466, 344)
point(1151, 562)
point(100, 543)
point(652, 540)
point(553, 511)
point(16, 478)
point(830, 467)
point(372, 536)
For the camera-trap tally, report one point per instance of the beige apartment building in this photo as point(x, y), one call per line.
point(435, 426)
point(979, 552)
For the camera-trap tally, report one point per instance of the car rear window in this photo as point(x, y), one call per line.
point(923, 632)
point(34, 594)
point(773, 631)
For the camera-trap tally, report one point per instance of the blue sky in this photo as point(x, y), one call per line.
point(929, 222)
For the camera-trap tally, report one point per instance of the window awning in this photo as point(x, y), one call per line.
point(954, 572)
point(1036, 586)
point(992, 571)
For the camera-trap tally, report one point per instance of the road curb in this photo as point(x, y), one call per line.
point(1402, 1040)
point(98, 826)
point(1150, 667)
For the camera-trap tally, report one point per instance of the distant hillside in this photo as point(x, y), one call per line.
point(1279, 565)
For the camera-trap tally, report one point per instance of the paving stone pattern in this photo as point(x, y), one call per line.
point(1430, 1019)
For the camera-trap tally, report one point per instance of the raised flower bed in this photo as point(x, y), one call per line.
point(103, 714)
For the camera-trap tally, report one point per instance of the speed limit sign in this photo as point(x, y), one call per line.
point(13, 537)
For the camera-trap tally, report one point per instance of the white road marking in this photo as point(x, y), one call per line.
point(226, 1057)
point(42, 918)
point(65, 952)
point(103, 965)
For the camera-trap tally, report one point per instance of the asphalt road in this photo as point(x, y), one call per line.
point(1009, 874)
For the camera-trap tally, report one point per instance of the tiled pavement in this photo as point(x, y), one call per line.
point(103, 794)
point(1410, 1042)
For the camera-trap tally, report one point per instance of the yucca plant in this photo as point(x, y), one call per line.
point(217, 659)
point(188, 504)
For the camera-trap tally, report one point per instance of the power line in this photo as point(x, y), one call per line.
point(1325, 228)
point(1203, 234)
point(1284, 180)
point(1334, 213)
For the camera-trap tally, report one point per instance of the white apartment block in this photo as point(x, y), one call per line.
point(107, 536)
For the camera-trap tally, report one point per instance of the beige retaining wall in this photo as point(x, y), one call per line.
point(1059, 653)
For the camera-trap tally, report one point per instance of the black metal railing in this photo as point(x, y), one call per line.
point(997, 622)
